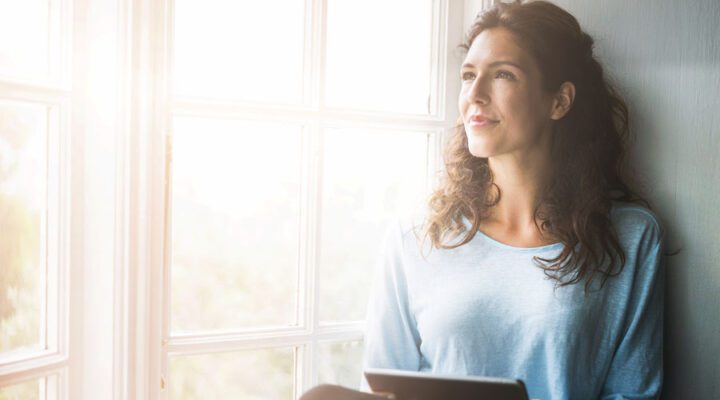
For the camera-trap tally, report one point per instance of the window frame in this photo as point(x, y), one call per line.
point(55, 92)
point(144, 353)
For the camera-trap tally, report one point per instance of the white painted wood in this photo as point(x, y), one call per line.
point(314, 52)
point(92, 199)
point(308, 312)
point(290, 113)
point(139, 291)
point(438, 66)
point(471, 9)
point(122, 350)
point(32, 92)
point(57, 268)
point(153, 191)
point(233, 341)
point(453, 60)
point(41, 364)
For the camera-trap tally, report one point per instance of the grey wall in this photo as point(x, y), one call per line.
point(665, 57)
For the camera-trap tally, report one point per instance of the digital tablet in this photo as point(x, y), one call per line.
point(406, 385)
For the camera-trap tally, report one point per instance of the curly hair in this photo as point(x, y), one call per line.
point(588, 151)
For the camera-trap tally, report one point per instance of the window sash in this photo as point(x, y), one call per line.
point(147, 286)
point(55, 92)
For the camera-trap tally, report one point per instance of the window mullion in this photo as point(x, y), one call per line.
point(145, 288)
point(33, 93)
point(315, 50)
point(313, 288)
point(37, 367)
point(436, 102)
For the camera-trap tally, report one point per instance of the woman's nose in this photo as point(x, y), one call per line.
point(478, 92)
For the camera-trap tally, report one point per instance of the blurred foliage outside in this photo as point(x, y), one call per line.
point(19, 274)
point(219, 281)
point(340, 363)
point(235, 218)
point(248, 375)
point(20, 269)
point(360, 199)
point(235, 239)
point(29, 390)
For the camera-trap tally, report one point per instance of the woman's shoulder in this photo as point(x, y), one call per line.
point(634, 221)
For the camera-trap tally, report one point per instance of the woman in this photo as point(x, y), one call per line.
point(534, 260)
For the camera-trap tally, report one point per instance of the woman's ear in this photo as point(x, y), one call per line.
point(563, 100)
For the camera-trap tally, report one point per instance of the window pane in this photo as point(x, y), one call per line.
point(248, 375)
point(23, 203)
point(24, 38)
point(245, 50)
point(378, 55)
point(35, 389)
point(340, 363)
point(235, 218)
point(29, 390)
point(369, 177)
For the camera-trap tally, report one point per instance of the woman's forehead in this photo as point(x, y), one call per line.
point(496, 44)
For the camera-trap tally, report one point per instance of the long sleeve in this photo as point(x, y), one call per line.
point(391, 336)
point(636, 367)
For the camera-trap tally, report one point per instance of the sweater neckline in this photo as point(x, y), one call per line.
point(496, 243)
point(547, 247)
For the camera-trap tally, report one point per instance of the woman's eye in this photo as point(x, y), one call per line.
point(505, 75)
point(468, 76)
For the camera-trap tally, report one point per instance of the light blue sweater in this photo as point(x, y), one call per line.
point(485, 309)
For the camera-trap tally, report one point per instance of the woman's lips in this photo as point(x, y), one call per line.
point(476, 121)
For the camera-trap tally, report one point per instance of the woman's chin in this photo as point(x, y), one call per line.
point(479, 150)
point(480, 154)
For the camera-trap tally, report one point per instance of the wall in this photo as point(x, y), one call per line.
point(664, 55)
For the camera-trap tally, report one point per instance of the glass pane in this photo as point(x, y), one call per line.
point(35, 389)
point(378, 55)
point(23, 203)
point(248, 375)
point(341, 363)
point(235, 219)
point(27, 57)
point(369, 178)
point(245, 50)
point(29, 390)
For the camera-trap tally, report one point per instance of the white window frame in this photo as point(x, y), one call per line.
point(472, 8)
point(113, 308)
point(56, 93)
point(143, 288)
point(93, 94)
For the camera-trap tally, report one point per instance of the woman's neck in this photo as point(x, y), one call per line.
point(522, 181)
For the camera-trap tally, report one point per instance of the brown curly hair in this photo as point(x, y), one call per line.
point(588, 150)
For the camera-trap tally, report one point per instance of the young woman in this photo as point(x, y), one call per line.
point(535, 260)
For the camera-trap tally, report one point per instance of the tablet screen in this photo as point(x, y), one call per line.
point(406, 385)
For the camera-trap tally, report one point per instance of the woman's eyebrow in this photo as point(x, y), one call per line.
point(495, 64)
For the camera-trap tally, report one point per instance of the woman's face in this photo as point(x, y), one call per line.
point(502, 104)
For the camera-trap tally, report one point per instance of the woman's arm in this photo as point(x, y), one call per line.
point(391, 336)
point(636, 368)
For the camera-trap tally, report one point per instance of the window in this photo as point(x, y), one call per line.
point(296, 134)
point(34, 115)
point(193, 193)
